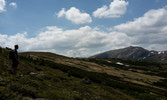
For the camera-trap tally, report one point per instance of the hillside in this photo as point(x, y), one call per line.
point(48, 76)
point(137, 53)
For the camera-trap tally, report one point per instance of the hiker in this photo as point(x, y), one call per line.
point(15, 60)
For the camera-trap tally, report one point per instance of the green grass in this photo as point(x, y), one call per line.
point(63, 82)
point(150, 68)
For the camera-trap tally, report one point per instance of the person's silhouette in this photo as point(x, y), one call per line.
point(15, 60)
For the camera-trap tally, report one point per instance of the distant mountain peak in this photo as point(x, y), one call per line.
point(134, 52)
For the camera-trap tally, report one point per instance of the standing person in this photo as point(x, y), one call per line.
point(15, 60)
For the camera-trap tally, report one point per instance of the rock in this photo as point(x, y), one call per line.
point(38, 73)
point(86, 81)
point(28, 98)
point(32, 73)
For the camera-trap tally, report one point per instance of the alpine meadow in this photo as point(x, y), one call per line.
point(83, 49)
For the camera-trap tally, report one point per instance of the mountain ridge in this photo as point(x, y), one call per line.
point(137, 53)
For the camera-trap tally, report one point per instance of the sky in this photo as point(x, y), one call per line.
point(82, 28)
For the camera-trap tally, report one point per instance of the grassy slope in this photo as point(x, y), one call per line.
point(51, 79)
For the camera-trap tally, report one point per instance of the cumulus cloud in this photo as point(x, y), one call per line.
point(81, 52)
point(76, 42)
point(149, 29)
point(74, 15)
point(2, 5)
point(158, 47)
point(13, 4)
point(115, 10)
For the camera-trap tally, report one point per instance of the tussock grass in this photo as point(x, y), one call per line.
point(54, 77)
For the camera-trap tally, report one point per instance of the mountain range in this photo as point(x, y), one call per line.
point(137, 53)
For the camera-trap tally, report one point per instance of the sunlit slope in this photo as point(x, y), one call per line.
point(139, 72)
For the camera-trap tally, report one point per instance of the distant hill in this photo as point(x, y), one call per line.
point(137, 53)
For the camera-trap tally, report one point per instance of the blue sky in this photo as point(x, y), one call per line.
point(83, 27)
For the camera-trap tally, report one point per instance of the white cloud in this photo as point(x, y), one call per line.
point(74, 15)
point(115, 10)
point(154, 21)
point(148, 30)
point(158, 47)
point(2, 5)
point(61, 13)
point(76, 42)
point(82, 52)
point(13, 4)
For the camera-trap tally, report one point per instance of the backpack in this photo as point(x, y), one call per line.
point(11, 55)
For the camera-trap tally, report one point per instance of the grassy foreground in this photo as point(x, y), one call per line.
point(49, 76)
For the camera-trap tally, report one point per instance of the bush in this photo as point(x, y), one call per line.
point(162, 83)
